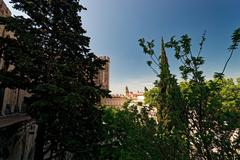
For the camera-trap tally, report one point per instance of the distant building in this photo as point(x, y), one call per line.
point(116, 101)
point(103, 75)
point(137, 97)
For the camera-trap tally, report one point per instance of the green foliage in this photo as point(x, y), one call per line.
point(131, 134)
point(52, 62)
point(190, 63)
point(235, 39)
point(203, 116)
point(232, 48)
point(166, 97)
point(210, 128)
point(151, 97)
point(217, 121)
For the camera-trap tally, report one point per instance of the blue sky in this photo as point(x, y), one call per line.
point(116, 25)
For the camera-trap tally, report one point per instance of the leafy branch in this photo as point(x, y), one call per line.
point(232, 48)
point(190, 63)
point(148, 50)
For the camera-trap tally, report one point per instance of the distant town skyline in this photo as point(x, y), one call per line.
point(115, 26)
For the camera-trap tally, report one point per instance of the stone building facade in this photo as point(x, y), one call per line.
point(118, 100)
point(103, 75)
point(17, 131)
point(10, 100)
point(17, 140)
point(115, 101)
point(4, 11)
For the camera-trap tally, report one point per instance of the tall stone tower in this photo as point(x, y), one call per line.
point(103, 75)
point(126, 91)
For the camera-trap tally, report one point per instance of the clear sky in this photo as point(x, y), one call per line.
point(116, 25)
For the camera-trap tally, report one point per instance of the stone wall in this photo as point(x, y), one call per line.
point(114, 101)
point(17, 141)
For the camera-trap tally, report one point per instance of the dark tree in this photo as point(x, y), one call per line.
point(53, 63)
point(172, 119)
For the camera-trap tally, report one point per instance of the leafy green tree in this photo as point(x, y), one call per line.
point(209, 111)
point(210, 127)
point(151, 97)
point(52, 62)
point(130, 135)
point(168, 100)
point(221, 119)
